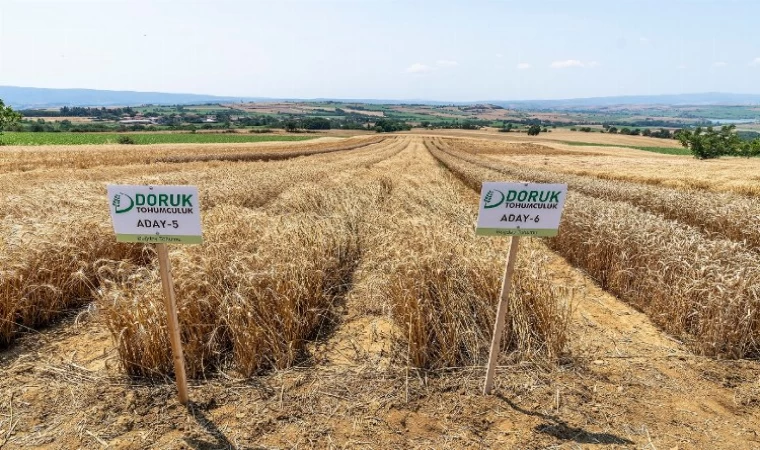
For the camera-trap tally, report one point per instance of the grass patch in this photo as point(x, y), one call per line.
point(23, 138)
point(663, 150)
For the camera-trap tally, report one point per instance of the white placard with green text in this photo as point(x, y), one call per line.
point(156, 214)
point(520, 209)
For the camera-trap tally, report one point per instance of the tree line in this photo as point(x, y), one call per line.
point(80, 111)
point(704, 143)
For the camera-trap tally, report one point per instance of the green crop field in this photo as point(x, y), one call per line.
point(25, 138)
point(664, 150)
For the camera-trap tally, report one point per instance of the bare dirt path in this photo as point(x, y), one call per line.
point(623, 385)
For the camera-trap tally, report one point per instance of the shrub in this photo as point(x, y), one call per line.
point(127, 140)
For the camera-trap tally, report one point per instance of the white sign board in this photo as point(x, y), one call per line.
point(520, 209)
point(156, 214)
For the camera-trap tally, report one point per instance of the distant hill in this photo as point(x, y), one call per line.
point(704, 99)
point(38, 98)
point(28, 98)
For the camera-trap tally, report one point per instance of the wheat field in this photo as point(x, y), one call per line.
point(695, 277)
point(727, 175)
point(293, 231)
point(341, 294)
point(287, 241)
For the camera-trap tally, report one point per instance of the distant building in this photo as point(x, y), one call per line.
point(137, 120)
point(209, 119)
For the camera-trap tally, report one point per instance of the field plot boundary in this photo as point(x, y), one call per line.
point(660, 150)
point(20, 159)
point(38, 297)
point(703, 290)
point(730, 216)
point(12, 138)
point(382, 240)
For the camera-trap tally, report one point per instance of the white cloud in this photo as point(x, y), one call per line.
point(681, 67)
point(446, 63)
point(755, 62)
point(720, 64)
point(499, 55)
point(441, 64)
point(573, 63)
point(523, 66)
point(418, 68)
point(643, 40)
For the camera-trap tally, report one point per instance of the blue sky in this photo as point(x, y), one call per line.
point(433, 50)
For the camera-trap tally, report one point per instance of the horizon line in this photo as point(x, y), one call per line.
point(387, 100)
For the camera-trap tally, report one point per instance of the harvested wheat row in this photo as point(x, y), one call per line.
point(707, 289)
point(273, 155)
point(724, 215)
point(266, 282)
point(220, 183)
point(44, 274)
point(55, 157)
point(444, 300)
point(256, 293)
point(269, 184)
point(440, 282)
point(25, 183)
point(263, 285)
point(702, 290)
point(48, 267)
point(733, 175)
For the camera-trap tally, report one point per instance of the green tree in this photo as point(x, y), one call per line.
point(7, 116)
point(64, 125)
point(291, 125)
point(710, 144)
point(534, 130)
point(316, 123)
point(749, 149)
point(38, 126)
point(390, 126)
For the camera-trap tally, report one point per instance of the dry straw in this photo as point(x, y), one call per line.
point(87, 156)
point(264, 285)
point(706, 291)
point(271, 279)
point(44, 274)
point(57, 237)
point(258, 291)
point(730, 216)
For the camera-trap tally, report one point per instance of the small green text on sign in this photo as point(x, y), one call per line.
point(155, 214)
point(520, 209)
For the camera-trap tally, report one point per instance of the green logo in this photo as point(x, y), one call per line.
point(117, 203)
point(489, 200)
